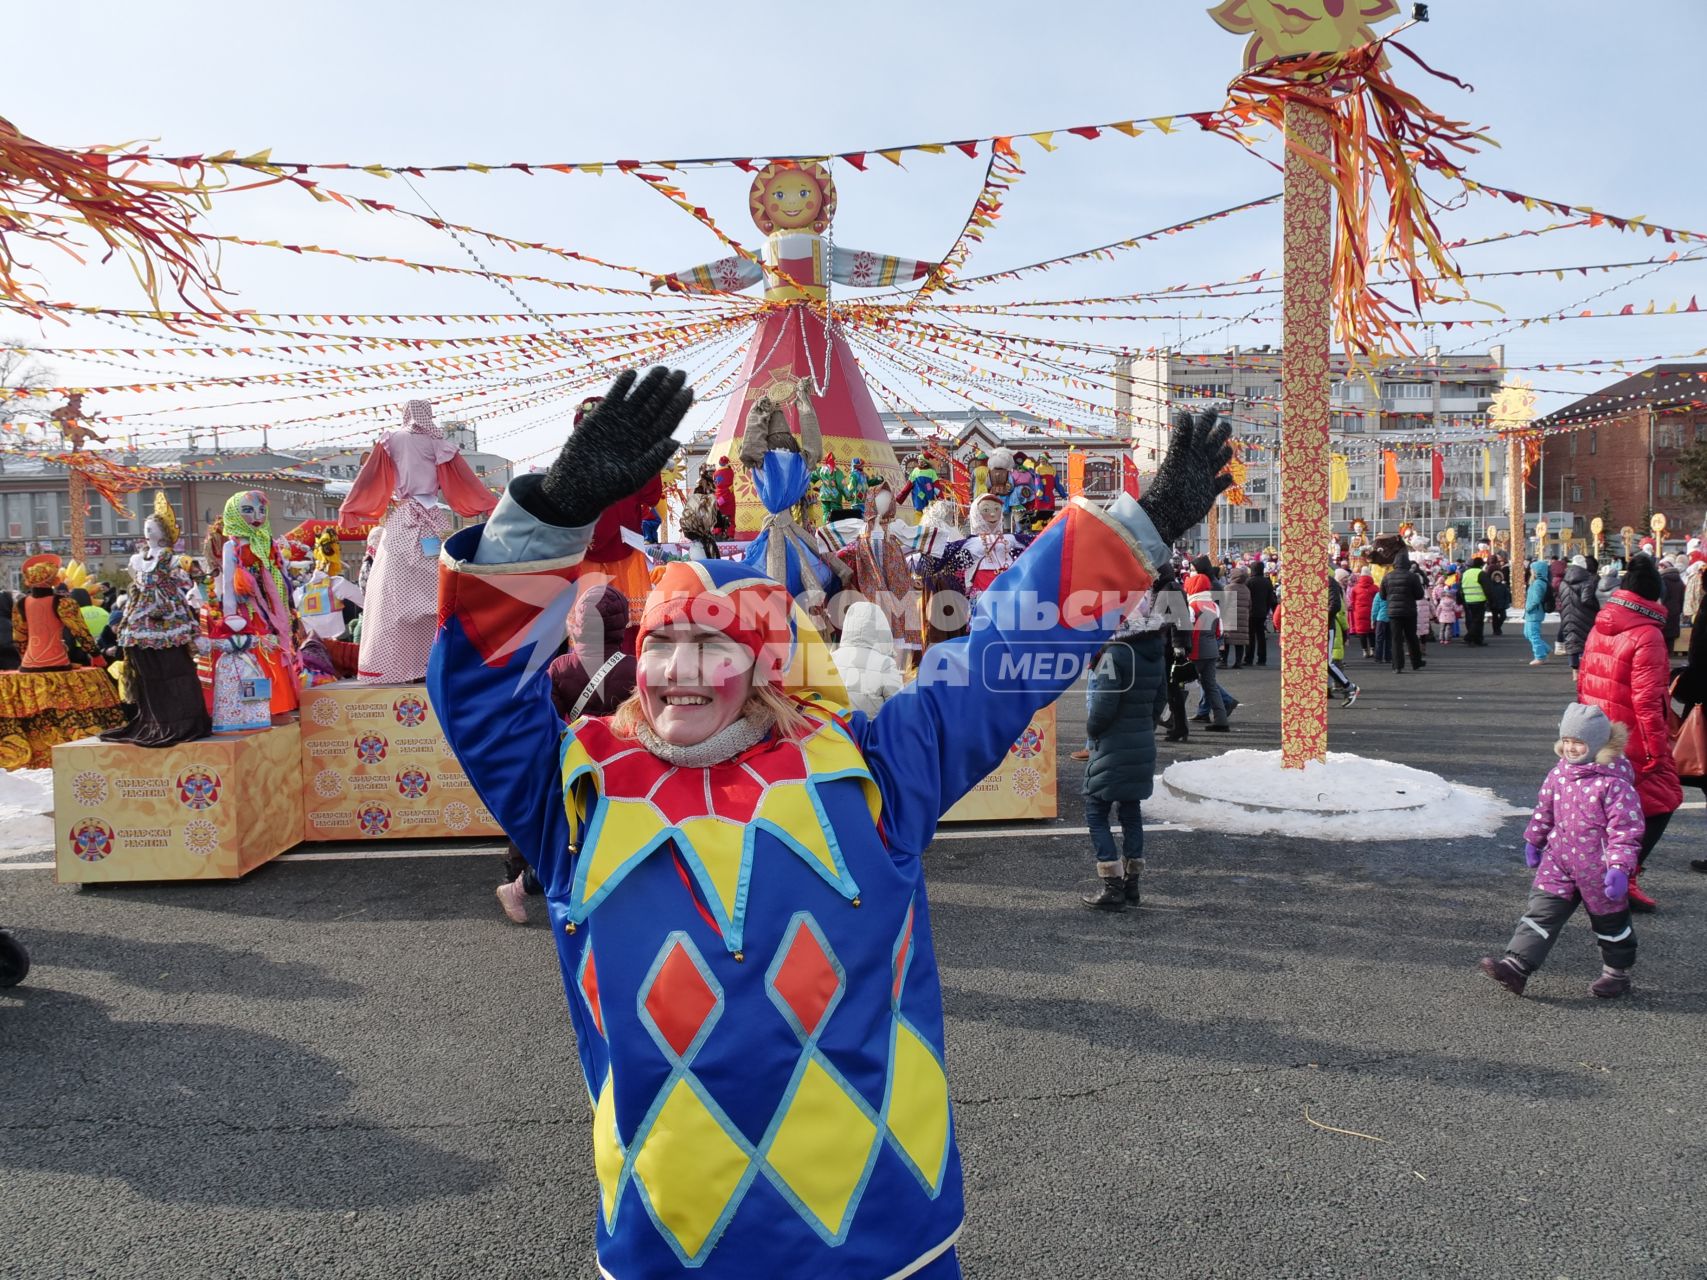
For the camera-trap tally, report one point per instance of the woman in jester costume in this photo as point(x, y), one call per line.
point(733, 865)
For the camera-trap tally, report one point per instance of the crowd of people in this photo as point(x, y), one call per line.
point(1605, 805)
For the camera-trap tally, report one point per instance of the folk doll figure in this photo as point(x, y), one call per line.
point(794, 357)
point(158, 635)
point(877, 557)
point(400, 484)
point(249, 673)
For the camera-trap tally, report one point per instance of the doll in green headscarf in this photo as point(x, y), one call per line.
point(250, 623)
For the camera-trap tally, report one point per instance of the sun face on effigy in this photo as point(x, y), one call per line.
point(793, 197)
point(1301, 26)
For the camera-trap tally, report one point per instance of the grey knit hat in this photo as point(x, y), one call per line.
point(1587, 724)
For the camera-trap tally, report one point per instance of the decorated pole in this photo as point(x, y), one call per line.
point(1512, 410)
point(1305, 529)
point(1306, 334)
point(1317, 71)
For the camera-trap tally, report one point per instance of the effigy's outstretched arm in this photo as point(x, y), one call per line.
point(726, 275)
point(871, 270)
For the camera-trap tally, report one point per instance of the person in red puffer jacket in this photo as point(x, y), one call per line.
point(1362, 597)
point(1626, 672)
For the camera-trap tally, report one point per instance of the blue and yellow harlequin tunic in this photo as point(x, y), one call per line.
point(747, 948)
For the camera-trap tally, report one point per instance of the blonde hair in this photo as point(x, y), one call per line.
point(766, 706)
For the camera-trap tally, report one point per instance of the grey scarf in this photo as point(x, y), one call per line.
point(727, 743)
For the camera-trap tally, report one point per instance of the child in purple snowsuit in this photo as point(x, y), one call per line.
point(1589, 819)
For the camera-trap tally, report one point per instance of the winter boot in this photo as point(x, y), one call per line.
point(1640, 901)
point(1111, 888)
point(1611, 983)
point(14, 960)
point(1505, 972)
point(1134, 870)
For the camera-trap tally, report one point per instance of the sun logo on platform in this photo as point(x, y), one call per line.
point(324, 712)
point(89, 788)
point(456, 815)
point(201, 836)
point(1027, 782)
point(410, 710)
point(375, 820)
point(329, 783)
point(370, 748)
point(91, 840)
point(198, 787)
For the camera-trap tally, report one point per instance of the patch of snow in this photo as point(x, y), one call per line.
point(26, 809)
point(1249, 793)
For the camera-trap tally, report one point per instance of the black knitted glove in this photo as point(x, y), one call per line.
point(1190, 476)
point(613, 451)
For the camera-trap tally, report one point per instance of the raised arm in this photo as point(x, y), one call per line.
point(505, 590)
point(1032, 632)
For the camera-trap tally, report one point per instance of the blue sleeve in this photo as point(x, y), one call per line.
point(1032, 634)
point(505, 588)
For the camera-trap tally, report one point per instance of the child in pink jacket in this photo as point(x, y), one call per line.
point(1582, 842)
point(1445, 610)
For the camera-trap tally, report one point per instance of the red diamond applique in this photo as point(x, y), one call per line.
point(806, 979)
point(680, 999)
point(590, 989)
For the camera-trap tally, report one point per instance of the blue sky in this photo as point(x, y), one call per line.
point(1584, 97)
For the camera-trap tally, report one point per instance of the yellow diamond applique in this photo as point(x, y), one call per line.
point(690, 1168)
point(823, 1148)
point(918, 1105)
point(607, 1148)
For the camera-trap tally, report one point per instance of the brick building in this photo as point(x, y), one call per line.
point(1614, 453)
point(35, 506)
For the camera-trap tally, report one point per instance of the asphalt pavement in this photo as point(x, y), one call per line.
point(1286, 1064)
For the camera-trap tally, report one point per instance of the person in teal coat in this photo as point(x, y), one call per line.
point(1535, 609)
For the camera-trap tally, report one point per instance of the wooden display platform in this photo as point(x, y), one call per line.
point(208, 810)
point(375, 766)
point(1023, 786)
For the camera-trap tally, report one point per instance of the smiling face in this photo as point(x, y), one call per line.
point(693, 682)
point(792, 199)
point(253, 508)
point(1574, 750)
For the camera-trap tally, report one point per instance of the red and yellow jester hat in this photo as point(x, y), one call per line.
point(725, 595)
